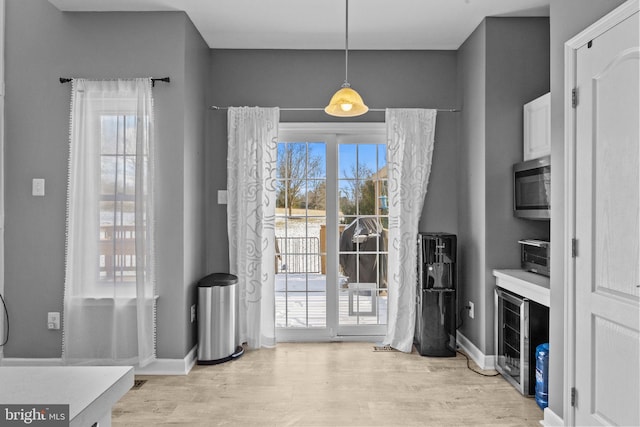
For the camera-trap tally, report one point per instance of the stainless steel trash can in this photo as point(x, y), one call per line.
point(217, 319)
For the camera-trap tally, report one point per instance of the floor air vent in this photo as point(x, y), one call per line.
point(137, 384)
point(383, 348)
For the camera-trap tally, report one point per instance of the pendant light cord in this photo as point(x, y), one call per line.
point(346, 47)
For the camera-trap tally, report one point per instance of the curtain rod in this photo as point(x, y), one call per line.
point(153, 80)
point(440, 110)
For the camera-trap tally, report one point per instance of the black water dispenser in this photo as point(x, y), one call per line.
point(435, 333)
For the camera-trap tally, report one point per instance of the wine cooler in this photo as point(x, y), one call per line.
point(521, 325)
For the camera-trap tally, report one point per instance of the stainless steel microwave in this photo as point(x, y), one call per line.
point(532, 188)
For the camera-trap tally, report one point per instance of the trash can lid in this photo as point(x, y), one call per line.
point(218, 279)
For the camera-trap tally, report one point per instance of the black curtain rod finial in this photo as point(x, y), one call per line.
point(163, 79)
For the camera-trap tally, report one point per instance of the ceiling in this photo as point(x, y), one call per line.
point(320, 24)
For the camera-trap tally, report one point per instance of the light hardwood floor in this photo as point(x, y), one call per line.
point(328, 384)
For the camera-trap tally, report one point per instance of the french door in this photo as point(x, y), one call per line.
point(331, 223)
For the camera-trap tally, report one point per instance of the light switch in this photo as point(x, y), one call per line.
point(37, 187)
point(53, 320)
point(222, 197)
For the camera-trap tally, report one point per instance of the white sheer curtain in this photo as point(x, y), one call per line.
point(410, 134)
point(251, 185)
point(109, 300)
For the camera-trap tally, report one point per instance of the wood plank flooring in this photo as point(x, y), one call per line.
point(328, 384)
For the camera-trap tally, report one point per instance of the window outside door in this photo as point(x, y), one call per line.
point(331, 223)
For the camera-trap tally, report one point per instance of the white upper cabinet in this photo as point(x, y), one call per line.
point(537, 127)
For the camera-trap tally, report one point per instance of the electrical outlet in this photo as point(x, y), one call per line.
point(193, 313)
point(53, 320)
point(471, 310)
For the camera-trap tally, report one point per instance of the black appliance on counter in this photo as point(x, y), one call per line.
point(535, 256)
point(435, 333)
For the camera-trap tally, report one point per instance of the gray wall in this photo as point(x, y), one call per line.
point(567, 18)
point(517, 72)
point(504, 64)
point(43, 44)
point(195, 115)
point(471, 170)
point(309, 79)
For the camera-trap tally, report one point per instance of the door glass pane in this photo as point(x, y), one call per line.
point(316, 197)
point(362, 256)
point(296, 311)
point(300, 235)
point(347, 160)
point(382, 157)
point(317, 163)
point(367, 160)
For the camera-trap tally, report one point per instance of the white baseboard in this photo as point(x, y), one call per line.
point(157, 367)
point(483, 361)
point(23, 361)
point(170, 366)
point(551, 419)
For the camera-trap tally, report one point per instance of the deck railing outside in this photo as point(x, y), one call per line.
point(298, 255)
point(117, 252)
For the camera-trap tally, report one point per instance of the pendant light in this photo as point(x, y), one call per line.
point(346, 102)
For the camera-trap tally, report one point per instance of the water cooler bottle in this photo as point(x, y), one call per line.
point(435, 333)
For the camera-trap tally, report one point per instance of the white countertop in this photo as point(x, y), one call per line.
point(529, 285)
point(90, 391)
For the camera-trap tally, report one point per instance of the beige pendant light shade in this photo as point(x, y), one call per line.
point(346, 102)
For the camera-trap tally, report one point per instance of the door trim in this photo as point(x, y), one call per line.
point(571, 47)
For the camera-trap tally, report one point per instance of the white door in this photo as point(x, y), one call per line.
point(607, 228)
point(363, 217)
